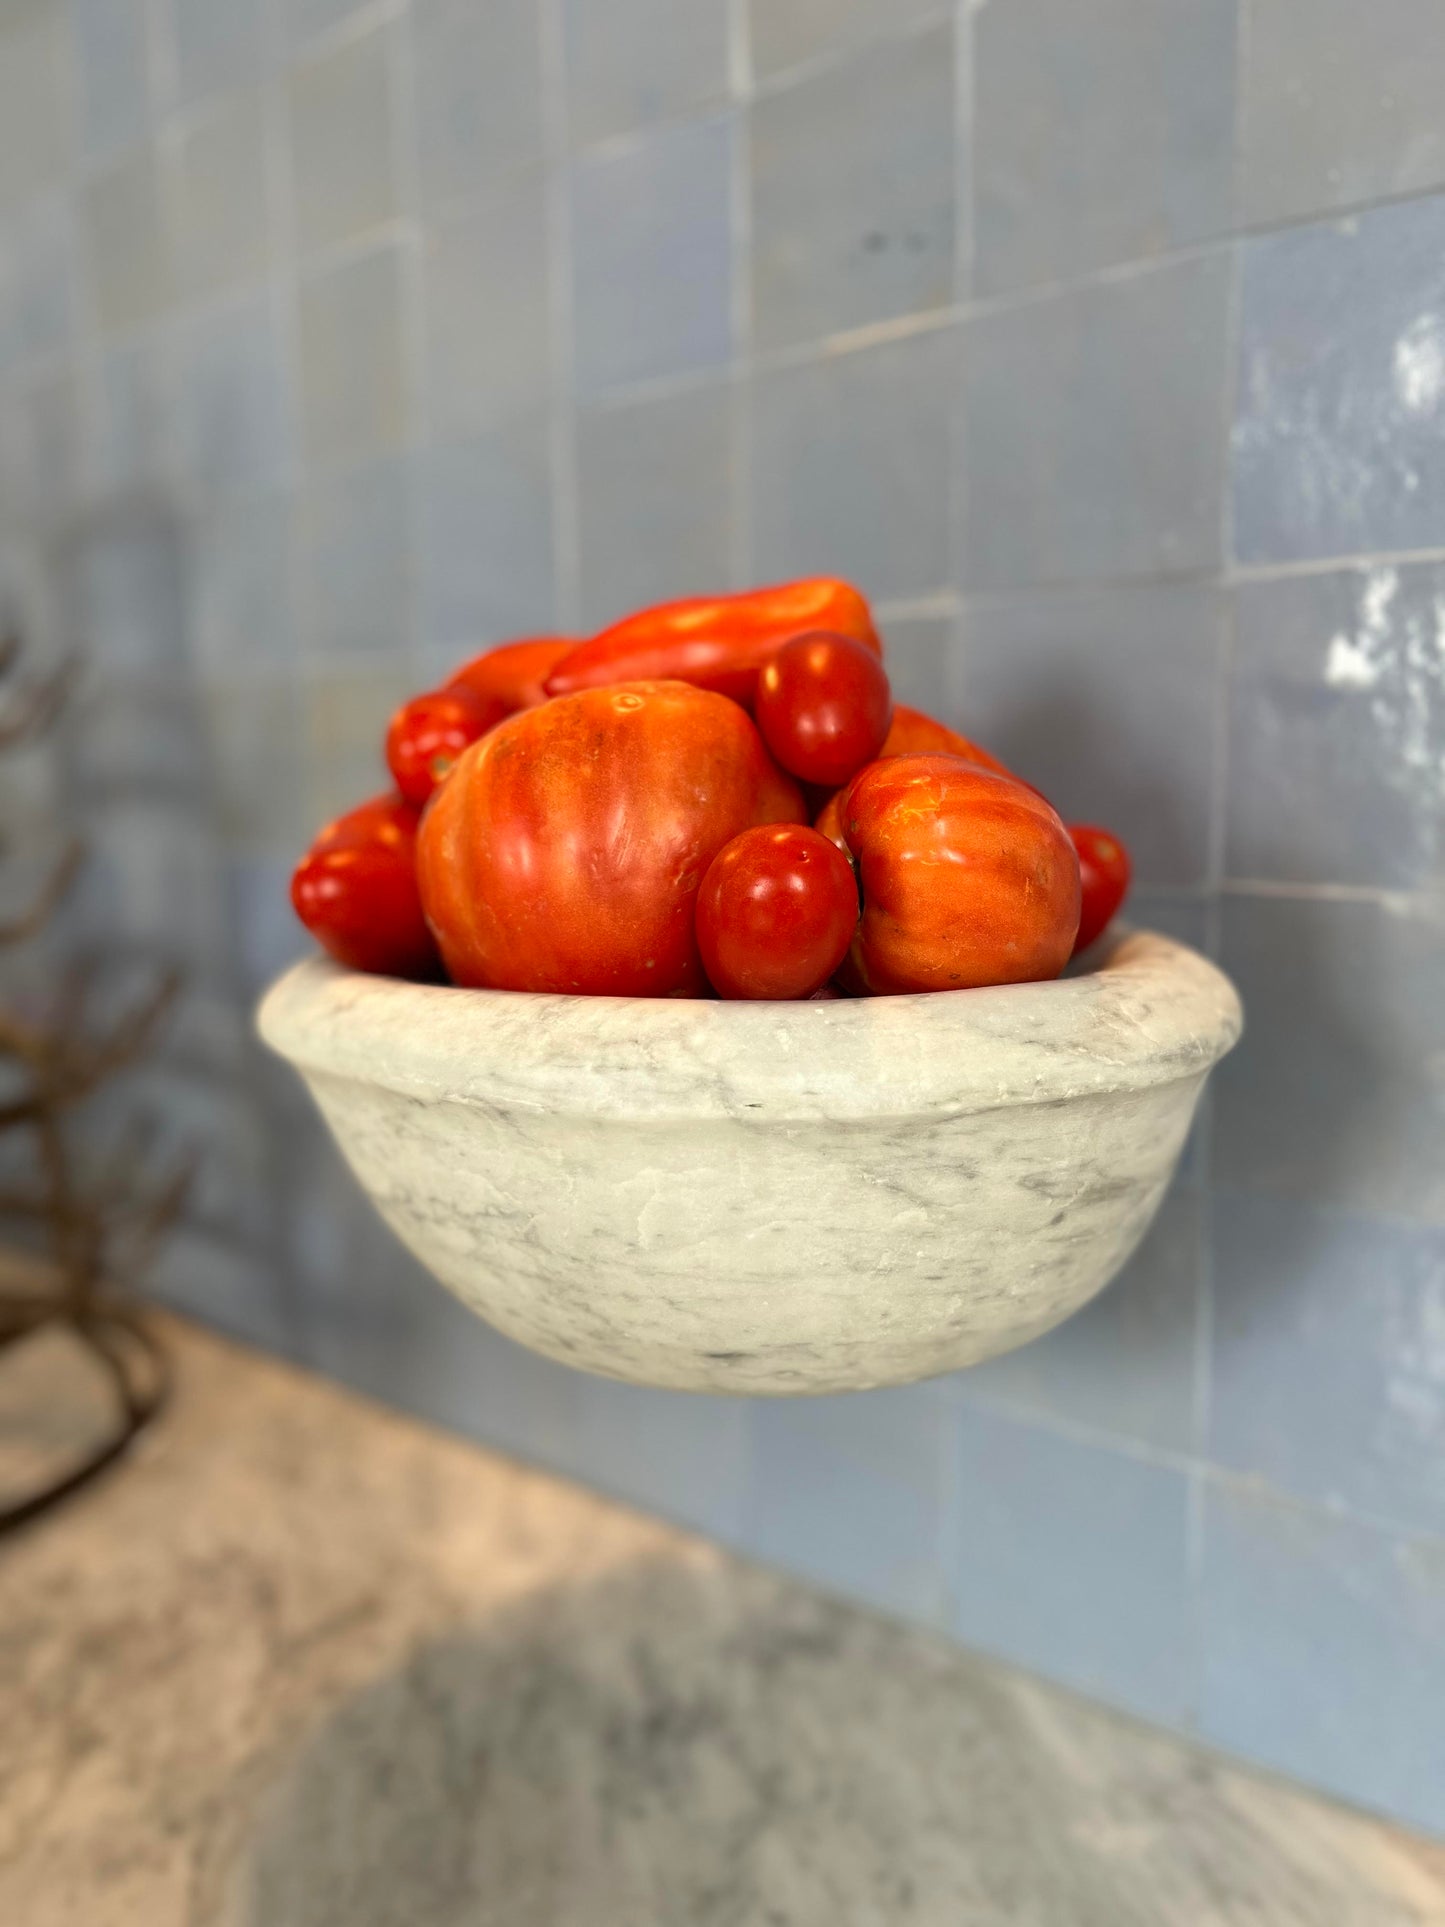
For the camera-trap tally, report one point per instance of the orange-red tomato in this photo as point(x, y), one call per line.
point(829, 821)
point(717, 642)
point(967, 877)
point(565, 850)
point(428, 733)
point(1104, 873)
point(823, 706)
point(515, 672)
point(776, 913)
point(912, 733)
point(356, 891)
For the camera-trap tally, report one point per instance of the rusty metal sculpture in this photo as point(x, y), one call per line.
point(87, 1224)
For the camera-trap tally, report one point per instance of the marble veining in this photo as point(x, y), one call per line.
point(302, 1662)
point(767, 1198)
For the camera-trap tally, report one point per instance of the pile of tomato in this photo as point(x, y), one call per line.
point(712, 797)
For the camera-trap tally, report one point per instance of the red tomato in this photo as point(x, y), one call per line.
point(823, 706)
point(967, 877)
point(516, 672)
point(717, 642)
point(428, 733)
point(911, 733)
point(1104, 872)
point(829, 822)
point(776, 913)
point(356, 891)
point(565, 850)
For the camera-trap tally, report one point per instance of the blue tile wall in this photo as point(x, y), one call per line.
point(38, 303)
point(242, 617)
point(1337, 1099)
point(222, 196)
point(113, 65)
point(1128, 1366)
point(656, 483)
point(849, 1492)
point(1104, 133)
point(1104, 345)
point(477, 103)
point(785, 34)
point(853, 176)
point(1327, 1369)
point(851, 462)
point(1337, 448)
point(652, 257)
point(486, 560)
point(1336, 728)
point(637, 62)
point(1093, 444)
point(1116, 1617)
point(234, 406)
point(129, 247)
point(343, 140)
point(1324, 1641)
point(357, 562)
point(217, 42)
point(488, 345)
point(1340, 105)
point(1107, 698)
point(356, 384)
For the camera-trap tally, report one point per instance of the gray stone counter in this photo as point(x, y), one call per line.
point(303, 1663)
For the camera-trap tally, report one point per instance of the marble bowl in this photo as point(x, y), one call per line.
point(767, 1198)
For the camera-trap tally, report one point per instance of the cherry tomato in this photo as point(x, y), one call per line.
point(565, 850)
point(967, 877)
point(356, 891)
point(428, 733)
point(1104, 872)
point(823, 706)
point(776, 913)
point(516, 672)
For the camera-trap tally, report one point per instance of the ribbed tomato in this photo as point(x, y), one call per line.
point(565, 850)
point(967, 877)
point(514, 672)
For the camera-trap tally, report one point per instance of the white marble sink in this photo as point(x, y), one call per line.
point(767, 1198)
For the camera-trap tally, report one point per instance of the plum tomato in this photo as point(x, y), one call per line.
point(1104, 872)
point(829, 821)
point(912, 733)
point(823, 706)
point(967, 877)
point(428, 733)
point(776, 913)
point(356, 891)
point(516, 672)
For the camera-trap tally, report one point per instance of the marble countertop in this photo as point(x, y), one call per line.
point(303, 1662)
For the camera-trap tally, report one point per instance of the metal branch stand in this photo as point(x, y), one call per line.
point(86, 1222)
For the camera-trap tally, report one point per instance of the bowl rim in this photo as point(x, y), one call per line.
point(1145, 1010)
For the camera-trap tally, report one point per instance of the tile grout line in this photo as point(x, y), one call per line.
point(414, 293)
point(1192, 1465)
point(562, 434)
point(955, 671)
point(740, 215)
point(285, 295)
point(818, 66)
